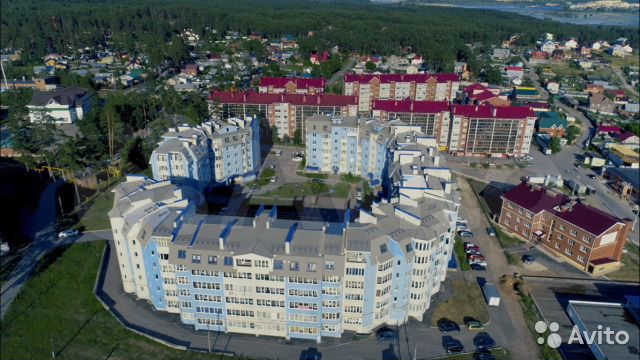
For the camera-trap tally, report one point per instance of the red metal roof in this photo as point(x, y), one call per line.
point(301, 83)
point(533, 198)
point(514, 68)
point(537, 199)
point(251, 97)
point(487, 112)
point(387, 78)
point(609, 129)
point(407, 106)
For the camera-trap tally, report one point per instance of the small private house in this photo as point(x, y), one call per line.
point(550, 122)
point(63, 106)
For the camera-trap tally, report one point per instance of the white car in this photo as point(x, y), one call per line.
point(297, 158)
point(273, 179)
point(478, 261)
point(68, 234)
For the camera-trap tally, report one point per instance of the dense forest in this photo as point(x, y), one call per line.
point(149, 26)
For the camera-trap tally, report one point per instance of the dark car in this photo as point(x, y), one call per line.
point(446, 325)
point(483, 341)
point(491, 231)
point(311, 354)
point(386, 334)
point(528, 259)
point(452, 345)
point(478, 267)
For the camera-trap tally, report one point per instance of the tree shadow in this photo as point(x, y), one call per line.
point(389, 353)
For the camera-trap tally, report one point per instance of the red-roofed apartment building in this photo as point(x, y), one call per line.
point(287, 112)
point(418, 87)
point(588, 238)
point(432, 116)
point(490, 131)
point(281, 85)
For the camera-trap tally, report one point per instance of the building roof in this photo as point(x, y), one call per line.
point(549, 119)
point(609, 129)
point(300, 83)
point(537, 199)
point(534, 198)
point(629, 175)
point(514, 68)
point(627, 135)
point(252, 97)
point(408, 106)
point(490, 112)
point(387, 78)
point(72, 96)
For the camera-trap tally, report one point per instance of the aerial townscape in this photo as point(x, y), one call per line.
point(297, 179)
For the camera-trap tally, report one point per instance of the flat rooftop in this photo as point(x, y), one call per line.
point(614, 316)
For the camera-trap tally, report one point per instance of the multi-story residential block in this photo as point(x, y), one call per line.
point(420, 87)
point(347, 145)
point(62, 106)
point(235, 148)
point(263, 275)
point(285, 112)
point(586, 237)
point(282, 85)
point(432, 117)
point(183, 157)
point(491, 131)
point(215, 152)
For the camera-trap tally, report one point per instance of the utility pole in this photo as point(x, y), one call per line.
point(53, 349)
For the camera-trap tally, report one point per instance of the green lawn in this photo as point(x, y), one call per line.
point(95, 218)
point(351, 178)
point(312, 175)
point(342, 190)
point(631, 269)
point(298, 190)
point(458, 247)
point(531, 316)
point(59, 304)
point(467, 300)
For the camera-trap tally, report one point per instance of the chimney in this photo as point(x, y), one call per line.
point(221, 242)
point(287, 247)
point(494, 111)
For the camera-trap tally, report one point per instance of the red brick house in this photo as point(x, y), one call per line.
point(584, 236)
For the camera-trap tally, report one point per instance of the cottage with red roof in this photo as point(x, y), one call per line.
point(281, 85)
point(514, 72)
point(587, 238)
point(539, 57)
point(489, 131)
point(417, 87)
point(608, 129)
point(479, 94)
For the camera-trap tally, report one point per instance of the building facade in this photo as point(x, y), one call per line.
point(491, 131)
point(282, 85)
point(294, 279)
point(285, 112)
point(62, 106)
point(347, 145)
point(588, 238)
point(420, 87)
point(183, 157)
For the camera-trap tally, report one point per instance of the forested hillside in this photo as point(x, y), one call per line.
point(41, 26)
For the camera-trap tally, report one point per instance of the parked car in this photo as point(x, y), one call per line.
point(386, 334)
point(461, 220)
point(474, 325)
point(452, 345)
point(478, 261)
point(273, 179)
point(465, 233)
point(468, 244)
point(484, 355)
point(297, 158)
point(476, 257)
point(491, 231)
point(528, 259)
point(472, 249)
point(478, 267)
point(446, 325)
point(66, 234)
point(483, 341)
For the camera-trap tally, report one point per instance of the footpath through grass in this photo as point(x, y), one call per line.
point(59, 305)
point(532, 316)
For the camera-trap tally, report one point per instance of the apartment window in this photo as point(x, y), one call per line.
point(561, 227)
point(311, 267)
point(329, 265)
point(581, 258)
point(228, 261)
point(573, 232)
point(213, 259)
point(195, 258)
point(568, 251)
point(182, 254)
point(294, 266)
point(557, 246)
point(587, 239)
point(278, 264)
point(584, 249)
point(571, 242)
point(560, 236)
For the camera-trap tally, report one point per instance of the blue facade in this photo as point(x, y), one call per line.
point(153, 271)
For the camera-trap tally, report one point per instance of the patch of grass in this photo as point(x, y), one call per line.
point(342, 190)
point(298, 190)
point(350, 178)
point(630, 271)
point(531, 316)
point(366, 188)
point(267, 173)
point(506, 240)
point(458, 247)
point(477, 188)
point(59, 305)
point(312, 175)
point(95, 218)
point(467, 301)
